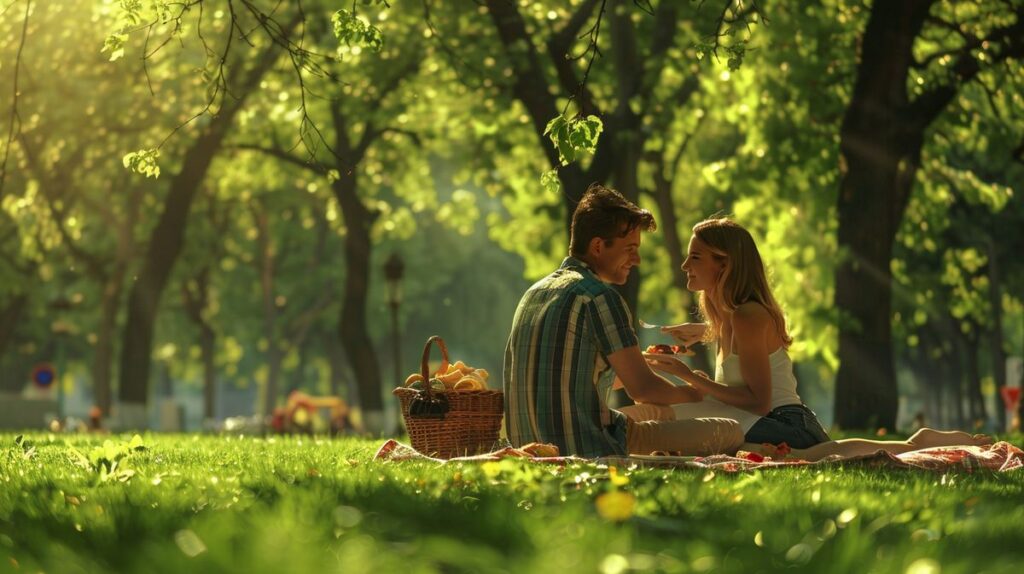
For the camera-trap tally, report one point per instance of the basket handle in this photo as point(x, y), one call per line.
point(427, 405)
point(424, 366)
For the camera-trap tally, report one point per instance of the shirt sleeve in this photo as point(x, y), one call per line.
point(613, 323)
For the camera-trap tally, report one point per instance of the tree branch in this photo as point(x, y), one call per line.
point(93, 263)
point(415, 137)
point(558, 49)
point(1010, 42)
point(281, 154)
point(15, 117)
point(370, 131)
point(740, 13)
point(456, 62)
point(666, 21)
point(530, 85)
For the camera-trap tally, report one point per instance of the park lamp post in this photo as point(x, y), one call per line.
point(61, 330)
point(393, 270)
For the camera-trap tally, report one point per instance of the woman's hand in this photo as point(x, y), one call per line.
point(668, 364)
point(686, 333)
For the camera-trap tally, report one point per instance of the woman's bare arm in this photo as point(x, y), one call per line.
point(750, 323)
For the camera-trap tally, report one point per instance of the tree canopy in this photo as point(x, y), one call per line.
point(205, 192)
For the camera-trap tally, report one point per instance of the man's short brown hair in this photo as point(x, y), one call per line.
point(605, 213)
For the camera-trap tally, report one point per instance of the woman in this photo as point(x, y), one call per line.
point(754, 382)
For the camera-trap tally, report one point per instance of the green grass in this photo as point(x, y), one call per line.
point(212, 504)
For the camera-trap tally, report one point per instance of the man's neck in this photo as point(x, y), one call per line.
point(591, 266)
point(584, 259)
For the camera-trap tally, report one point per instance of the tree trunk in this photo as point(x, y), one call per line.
point(995, 300)
point(266, 253)
point(928, 362)
point(166, 242)
point(207, 350)
point(10, 318)
point(880, 140)
point(975, 400)
point(298, 375)
point(669, 229)
point(338, 376)
point(958, 376)
point(881, 149)
point(626, 184)
point(103, 360)
point(195, 303)
point(926, 385)
point(352, 329)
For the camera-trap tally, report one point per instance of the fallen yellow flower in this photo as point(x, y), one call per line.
point(616, 505)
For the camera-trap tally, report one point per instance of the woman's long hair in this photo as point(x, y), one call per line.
point(743, 278)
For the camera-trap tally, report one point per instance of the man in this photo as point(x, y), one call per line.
point(572, 329)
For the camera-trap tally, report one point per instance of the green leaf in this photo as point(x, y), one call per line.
point(594, 127)
point(554, 124)
point(136, 443)
point(143, 161)
point(549, 181)
point(574, 138)
point(114, 44)
point(355, 31)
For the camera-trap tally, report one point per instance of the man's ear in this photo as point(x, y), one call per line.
point(596, 246)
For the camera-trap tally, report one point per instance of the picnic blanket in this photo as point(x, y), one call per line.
point(999, 457)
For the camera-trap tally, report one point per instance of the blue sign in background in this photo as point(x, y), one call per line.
point(43, 376)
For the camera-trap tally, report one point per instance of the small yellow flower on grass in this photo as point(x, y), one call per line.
point(491, 469)
point(616, 505)
point(616, 478)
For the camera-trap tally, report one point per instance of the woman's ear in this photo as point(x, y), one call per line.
point(723, 269)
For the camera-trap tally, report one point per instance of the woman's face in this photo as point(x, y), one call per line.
point(701, 266)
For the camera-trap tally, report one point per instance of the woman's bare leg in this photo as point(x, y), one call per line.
point(930, 438)
point(851, 447)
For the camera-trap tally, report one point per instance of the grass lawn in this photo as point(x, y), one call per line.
point(287, 504)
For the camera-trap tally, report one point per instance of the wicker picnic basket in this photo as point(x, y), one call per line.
point(449, 423)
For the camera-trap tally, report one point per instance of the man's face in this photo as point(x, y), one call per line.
point(612, 262)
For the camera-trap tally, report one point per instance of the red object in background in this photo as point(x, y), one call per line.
point(1011, 397)
point(95, 418)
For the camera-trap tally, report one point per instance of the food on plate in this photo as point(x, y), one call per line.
point(662, 349)
point(540, 449)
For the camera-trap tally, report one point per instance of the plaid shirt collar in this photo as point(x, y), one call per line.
point(571, 262)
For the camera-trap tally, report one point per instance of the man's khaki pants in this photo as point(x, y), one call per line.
point(651, 428)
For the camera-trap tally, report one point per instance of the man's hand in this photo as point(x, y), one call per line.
point(686, 333)
point(668, 364)
point(704, 375)
point(641, 383)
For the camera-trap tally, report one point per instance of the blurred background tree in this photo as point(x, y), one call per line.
point(211, 211)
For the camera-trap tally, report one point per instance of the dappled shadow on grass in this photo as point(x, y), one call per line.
point(292, 505)
point(266, 511)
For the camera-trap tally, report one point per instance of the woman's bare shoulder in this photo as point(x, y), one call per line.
point(750, 316)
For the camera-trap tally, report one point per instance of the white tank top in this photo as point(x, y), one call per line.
point(728, 373)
